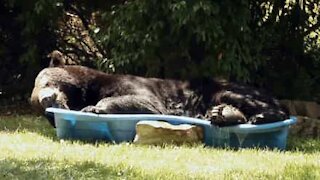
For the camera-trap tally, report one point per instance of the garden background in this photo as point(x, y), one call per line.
point(272, 44)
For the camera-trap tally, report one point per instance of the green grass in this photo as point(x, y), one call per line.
point(30, 150)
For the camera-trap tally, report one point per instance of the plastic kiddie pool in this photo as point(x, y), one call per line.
point(119, 128)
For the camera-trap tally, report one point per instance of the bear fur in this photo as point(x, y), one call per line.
point(81, 88)
point(56, 59)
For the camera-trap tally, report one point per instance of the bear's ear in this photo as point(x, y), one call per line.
point(56, 59)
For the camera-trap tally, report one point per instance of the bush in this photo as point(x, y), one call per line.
point(181, 39)
point(26, 33)
point(270, 44)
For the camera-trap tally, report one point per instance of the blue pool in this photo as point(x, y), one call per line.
point(119, 128)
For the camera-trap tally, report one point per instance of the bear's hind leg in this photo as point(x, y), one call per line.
point(256, 107)
point(128, 104)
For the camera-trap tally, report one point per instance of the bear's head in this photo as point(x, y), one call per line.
point(47, 90)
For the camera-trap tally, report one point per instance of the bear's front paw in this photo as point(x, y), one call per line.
point(93, 109)
point(225, 115)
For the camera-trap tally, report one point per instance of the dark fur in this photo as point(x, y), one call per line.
point(81, 88)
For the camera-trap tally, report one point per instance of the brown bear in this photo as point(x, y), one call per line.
point(81, 88)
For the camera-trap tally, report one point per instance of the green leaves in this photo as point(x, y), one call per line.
point(176, 31)
point(263, 42)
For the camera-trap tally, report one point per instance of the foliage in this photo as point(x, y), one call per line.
point(271, 44)
point(181, 38)
point(292, 70)
point(26, 35)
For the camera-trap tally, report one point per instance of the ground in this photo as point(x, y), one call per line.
point(29, 149)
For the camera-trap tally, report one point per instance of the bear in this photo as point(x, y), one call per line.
point(56, 59)
point(223, 103)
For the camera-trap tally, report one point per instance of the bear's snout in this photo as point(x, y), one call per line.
point(52, 97)
point(47, 97)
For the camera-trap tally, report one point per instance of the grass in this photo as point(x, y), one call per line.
point(29, 149)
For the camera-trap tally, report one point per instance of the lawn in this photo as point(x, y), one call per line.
point(30, 150)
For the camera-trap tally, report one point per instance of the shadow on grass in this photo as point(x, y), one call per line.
point(28, 123)
point(305, 145)
point(48, 169)
point(35, 124)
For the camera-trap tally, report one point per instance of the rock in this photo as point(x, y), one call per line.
point(306, 127)
point(308, 114)
point(160, 132)
point(288, 104)
point(302, 108)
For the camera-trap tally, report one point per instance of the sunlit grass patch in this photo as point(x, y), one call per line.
point(29, 149)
